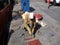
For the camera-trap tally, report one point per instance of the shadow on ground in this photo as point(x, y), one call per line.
point(17, 16)
point(31, 9)
point(10, 33)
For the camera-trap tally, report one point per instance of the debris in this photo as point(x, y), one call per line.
point(22, 35)
point(38, 16)
point(34, 41)
point(43, 24)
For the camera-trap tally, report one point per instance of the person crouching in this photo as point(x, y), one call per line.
point(29, 22)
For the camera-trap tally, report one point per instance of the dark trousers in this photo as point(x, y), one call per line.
point(1, 5)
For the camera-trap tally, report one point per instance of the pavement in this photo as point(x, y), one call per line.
point(48, 35)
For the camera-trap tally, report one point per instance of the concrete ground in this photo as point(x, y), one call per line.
point(48, 35)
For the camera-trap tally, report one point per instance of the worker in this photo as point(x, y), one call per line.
point(29, 22)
